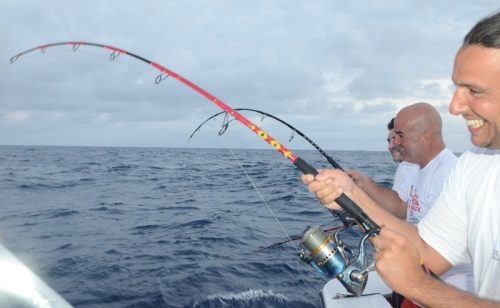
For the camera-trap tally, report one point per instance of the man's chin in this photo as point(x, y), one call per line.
point(397, 158)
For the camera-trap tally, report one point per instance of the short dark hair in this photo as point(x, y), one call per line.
point(485, 33)
point(390, 125)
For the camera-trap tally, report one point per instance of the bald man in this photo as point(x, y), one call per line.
point(419, 128)
point(393, 200)
point(420, 141)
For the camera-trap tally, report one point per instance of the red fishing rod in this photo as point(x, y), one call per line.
point(345, 202)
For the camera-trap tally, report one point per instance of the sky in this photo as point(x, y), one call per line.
point(336, 70)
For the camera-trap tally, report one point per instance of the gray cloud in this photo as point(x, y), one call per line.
point(337, 70)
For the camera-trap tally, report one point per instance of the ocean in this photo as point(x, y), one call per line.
point(168, 227)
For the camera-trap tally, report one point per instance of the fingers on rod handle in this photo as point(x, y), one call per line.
point(347, 204)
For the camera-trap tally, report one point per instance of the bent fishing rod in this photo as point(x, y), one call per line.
point(344, 201)
point(226, 124)
point(329, 255)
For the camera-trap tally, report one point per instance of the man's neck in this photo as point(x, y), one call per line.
point(433, 152)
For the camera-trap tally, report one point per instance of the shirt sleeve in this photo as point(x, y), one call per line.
point(403, 180)
point(444, 227)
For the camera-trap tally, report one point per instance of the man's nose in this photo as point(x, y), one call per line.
point(458, 103)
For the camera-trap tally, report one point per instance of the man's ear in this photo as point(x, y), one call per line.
point(427, 136)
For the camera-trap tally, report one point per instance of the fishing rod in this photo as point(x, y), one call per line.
point(226, 124)
point(345, 202)
point(323, 250)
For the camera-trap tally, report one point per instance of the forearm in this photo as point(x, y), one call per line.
point(431, 292)
point(379, 213)
point(383, 217)
point(386, 198)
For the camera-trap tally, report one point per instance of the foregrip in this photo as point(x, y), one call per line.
point(345, 202)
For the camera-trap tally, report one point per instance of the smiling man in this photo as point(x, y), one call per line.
point(463, 226)
point(477, 95)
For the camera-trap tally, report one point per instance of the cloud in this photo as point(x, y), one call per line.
point(17, 116)
point(322, 64)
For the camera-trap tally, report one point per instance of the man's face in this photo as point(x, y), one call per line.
point(393, 146)
point(409, 137)
point(476, 74)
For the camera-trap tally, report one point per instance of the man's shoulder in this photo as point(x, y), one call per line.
point(480, 157)
point(475, 151)
point(448, 154)
point(445, 159)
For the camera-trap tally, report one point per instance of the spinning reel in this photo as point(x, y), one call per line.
point(333, 259)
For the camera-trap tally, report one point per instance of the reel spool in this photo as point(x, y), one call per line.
point(333, 259)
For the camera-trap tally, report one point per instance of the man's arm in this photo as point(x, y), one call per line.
point(330, 183)
point(387, 198)
point(398, 262)
point(431, 292)
point(399, 255)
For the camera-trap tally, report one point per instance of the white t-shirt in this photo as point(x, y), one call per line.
point(404, 178)
point(427, 184)
point(464, 223)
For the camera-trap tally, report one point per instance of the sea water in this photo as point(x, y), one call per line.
point(168, 227)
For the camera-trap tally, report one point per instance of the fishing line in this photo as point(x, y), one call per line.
point(297, 274)
point(259, 193)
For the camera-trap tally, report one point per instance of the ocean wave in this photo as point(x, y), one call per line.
point(68, 266)
point(65, 246)
point(62, 213)
point(47, 185)
point(147, 227)
point(121, 168)
point(108, 210)
point(250, 299)
point(178, 208)
point(199, 223)
point(225, 240)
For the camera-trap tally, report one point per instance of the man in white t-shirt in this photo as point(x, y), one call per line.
point(392, 199)
point(403, 178)
point(419, 127)
point(419, 140)
point(464, 223)
point(416, 139)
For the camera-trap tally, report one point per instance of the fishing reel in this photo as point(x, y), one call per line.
point(333, 259)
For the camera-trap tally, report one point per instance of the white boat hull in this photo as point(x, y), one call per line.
point(20, 287)
point(335, 295)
